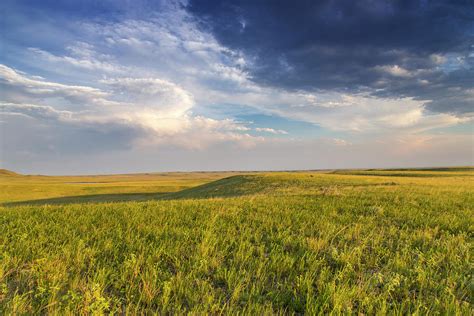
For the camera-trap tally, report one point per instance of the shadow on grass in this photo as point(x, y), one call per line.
point(227, 187)
point(95, 198)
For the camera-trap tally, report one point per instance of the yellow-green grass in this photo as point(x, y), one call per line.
point(264, 243)
point(16, 188)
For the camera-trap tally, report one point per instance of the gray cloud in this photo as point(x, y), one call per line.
point(344, 45)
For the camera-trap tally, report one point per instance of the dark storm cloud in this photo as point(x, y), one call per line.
point(420, 49)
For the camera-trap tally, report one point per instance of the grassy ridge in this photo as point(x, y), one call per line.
point(256, 243)
point(18, 188)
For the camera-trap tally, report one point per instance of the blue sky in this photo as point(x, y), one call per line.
point(131, 86)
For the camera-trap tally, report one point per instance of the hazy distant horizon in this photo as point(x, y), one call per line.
point(238, 171)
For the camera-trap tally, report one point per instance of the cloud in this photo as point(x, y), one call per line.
point(154, 94)
point(35, 111)
point(215, 74)
point(15, 83)
point(396, 71)
point(84, 57)
point(352, 113)
point(281, 154)
point(158, 111)
point(340, 142)
point(180, 80)
point(170, 45)
point(360, 113)
point(391, 48)
point(271, 130)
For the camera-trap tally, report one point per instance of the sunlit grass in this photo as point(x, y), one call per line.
point(21, 188)
point(255, 244)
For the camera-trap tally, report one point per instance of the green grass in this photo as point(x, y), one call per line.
point(16, 188)
point(366, 242)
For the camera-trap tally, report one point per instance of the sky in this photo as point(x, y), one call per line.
point(122, 86)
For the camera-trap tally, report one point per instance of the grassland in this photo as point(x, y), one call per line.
point(102, 188)
point(364, 241)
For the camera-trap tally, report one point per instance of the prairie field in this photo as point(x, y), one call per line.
point(346, 242)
